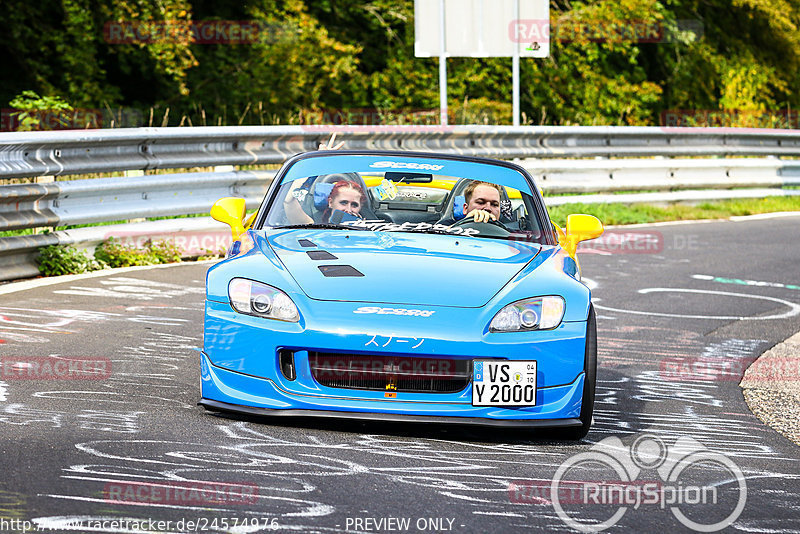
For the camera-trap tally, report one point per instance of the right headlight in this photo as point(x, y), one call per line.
point(261, 300)
point(539, 313)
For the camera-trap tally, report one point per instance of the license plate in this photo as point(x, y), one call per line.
point(503, 383)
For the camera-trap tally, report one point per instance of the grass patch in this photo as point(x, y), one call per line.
point(547, 194)
point(617, 213)
point(10, 233)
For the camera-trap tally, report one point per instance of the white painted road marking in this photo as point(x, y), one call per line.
point(794, 309)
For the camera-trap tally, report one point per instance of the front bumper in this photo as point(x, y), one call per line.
point(391, 417)
point(240, 366)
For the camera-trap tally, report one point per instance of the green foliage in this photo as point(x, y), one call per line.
point(56, 260)
point(737, 57)
point(166, 251)
point(480, 111)
point(211, 254)
point(61, 259)
point(33, 106)
point(116, 254)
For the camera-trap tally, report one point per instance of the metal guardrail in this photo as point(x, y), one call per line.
point(659, 174)
point(100, 151)
point(199, 235)
point(113, 199)
point(673, 164)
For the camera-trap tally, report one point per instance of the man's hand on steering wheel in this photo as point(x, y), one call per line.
point(480, 216)
point(483, 221)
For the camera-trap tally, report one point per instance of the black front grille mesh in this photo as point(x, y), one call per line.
point(390, 373)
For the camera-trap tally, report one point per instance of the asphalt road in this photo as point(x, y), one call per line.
point(131, 444)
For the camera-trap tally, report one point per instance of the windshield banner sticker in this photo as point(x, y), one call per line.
point(383, 226)
point(403, 165)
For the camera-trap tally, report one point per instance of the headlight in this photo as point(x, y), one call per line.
point(540, 313)
point(261, 300)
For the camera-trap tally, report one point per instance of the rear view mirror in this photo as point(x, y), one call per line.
point(409, 177)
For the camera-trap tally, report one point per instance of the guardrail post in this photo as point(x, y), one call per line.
point(130, 174)
point(44, 180)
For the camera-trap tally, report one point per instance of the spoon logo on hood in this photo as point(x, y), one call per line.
point(394, 311)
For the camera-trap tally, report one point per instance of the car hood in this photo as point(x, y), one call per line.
point(399, 268)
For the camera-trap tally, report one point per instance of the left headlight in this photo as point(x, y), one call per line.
point(540, 313)
point(261, 300)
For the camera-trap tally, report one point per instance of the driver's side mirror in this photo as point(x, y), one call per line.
point(231, 211)
point(580, 228)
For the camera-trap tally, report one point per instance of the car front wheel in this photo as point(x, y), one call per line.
point(590, 369)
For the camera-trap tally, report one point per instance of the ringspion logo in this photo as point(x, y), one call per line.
point(593, 490)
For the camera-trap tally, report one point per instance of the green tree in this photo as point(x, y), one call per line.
point(741, 58)
point(33, 109)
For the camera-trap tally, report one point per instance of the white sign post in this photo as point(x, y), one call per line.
point(481, 28)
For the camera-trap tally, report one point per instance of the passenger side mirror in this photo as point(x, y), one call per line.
point(580, 228)
point(231, 211)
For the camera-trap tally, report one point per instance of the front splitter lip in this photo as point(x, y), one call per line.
point(390, 417)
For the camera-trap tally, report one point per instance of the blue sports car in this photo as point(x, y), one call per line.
point(402, 286)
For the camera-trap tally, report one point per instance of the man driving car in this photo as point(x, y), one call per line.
point(482, 201)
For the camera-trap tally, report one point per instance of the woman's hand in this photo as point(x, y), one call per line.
point(329, 145)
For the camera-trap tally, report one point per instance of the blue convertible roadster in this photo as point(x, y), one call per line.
point(402, 286)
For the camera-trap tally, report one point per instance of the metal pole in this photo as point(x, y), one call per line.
point(515, 66)
point(442, 67)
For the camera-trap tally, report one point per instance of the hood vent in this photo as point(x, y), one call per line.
point(337, 271)
point(317, 255)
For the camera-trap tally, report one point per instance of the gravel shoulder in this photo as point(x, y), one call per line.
point(771, 387)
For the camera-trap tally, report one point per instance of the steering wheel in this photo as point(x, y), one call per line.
point(490, 227)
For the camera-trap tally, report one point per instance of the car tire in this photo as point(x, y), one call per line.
point(590, 369)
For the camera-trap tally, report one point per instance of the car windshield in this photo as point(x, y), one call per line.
point(395, 194)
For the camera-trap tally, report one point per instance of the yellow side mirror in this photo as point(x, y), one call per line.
point(250, 220)
point(562, 237)
point(231, 211)
point(581, 228)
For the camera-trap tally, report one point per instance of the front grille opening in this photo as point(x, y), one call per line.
point(390, 373)
point(286, 361)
